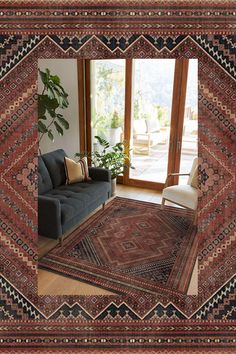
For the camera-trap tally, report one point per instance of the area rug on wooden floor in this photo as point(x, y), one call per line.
point(131, 246)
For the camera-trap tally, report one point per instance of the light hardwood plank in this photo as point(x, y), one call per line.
point(50, 283)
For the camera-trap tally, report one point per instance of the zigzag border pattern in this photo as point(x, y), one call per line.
point(205, 311)
point(21, 53)
point(19, 299)
point(121, 312)
point(112, 43)
point(208, 46)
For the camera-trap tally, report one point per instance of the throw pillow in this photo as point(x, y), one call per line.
point(76, 171)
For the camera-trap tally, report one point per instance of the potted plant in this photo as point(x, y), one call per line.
point(97, 128)
point(52, 99)
point(114, 131)
point(114, 158)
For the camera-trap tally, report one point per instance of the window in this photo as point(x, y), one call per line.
point(107, 100)
point(190, 130)
point(151, 115)
point(149, 103)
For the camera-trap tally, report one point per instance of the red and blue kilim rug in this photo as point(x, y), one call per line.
point(130, 247)
point(140, 323)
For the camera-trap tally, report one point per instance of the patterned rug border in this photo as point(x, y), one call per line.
point(115, 17)
point(206, 49)
point(18, 254)
point(172, 335)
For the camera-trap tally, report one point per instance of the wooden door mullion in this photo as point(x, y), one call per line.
point(128, 111)
point(82, 102)
point(177, 116)
point(88, 106)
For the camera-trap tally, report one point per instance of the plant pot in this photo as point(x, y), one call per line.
point(113, 135)
point(113, 187)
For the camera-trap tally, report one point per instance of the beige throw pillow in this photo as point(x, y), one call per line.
point(76, 171)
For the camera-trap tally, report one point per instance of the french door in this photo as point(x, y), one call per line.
point(142, 101)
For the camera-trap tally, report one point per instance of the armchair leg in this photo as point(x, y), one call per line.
point(103, 206)
point(162, 203)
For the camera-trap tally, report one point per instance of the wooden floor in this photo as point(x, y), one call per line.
point(50, 283)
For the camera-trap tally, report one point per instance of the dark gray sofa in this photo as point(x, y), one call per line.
point(62, 206)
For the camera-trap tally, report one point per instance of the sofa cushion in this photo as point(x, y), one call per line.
point(44, 180)
point(54, 162)
point(74, 198)
point(71, 203)
point(88, 191)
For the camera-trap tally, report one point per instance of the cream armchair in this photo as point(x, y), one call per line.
point(183, 195)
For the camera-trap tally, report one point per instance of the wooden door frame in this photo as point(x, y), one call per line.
point(88, 106)
point(127, 132)
point(82, 104)
point(127, 114)
point(177, 117)
point(176, 124)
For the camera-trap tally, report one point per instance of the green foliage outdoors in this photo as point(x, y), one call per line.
point(162, 115)
point(116, 120)
point(114, 158)
point(102, 116)
point(159, 112)
point(52, 98)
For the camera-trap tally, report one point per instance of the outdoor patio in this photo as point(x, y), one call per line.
point(153, 167)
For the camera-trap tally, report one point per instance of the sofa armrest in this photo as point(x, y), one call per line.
point(100, 174)
point(49, 217)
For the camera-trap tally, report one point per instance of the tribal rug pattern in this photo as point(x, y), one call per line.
point(116, 17)
point(53, 324)
point(130, 247)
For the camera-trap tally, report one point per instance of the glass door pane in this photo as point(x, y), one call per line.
point(107, 100)
point(190, 130)
point(151, 115)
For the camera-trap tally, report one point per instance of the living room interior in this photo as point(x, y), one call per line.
point(129, 127)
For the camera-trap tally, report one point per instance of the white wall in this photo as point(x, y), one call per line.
point(66, 69)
